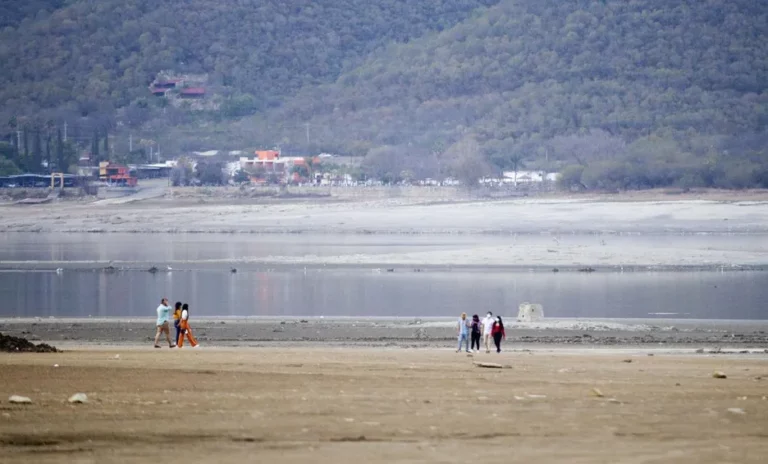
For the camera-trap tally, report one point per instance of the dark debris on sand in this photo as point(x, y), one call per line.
point(10, 344)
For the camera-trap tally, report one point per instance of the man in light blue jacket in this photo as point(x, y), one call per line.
point(162, 323)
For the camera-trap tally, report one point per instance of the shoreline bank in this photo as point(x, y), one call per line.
point(410, 216)
point(379, 267)
point(707, 335)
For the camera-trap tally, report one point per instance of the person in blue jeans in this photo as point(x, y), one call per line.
point(463, 332)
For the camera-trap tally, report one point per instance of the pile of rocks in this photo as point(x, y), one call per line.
point(10, 344)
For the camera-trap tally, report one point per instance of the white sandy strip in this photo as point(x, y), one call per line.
point(511, 350)
point(641, 254)
point(538, 255)
point(401, 216)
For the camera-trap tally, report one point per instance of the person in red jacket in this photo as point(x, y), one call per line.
point(497, 332)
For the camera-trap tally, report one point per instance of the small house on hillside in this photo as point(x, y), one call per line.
point(160, 87)
point(167, 83)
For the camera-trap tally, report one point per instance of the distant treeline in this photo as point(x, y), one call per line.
point(599, 163)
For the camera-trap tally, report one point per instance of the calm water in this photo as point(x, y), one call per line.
point(347, 292)
point(730, 295)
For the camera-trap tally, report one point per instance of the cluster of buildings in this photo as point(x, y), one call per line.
point(525, 178)
point(260, 167)
point(266, 164)
point(191, 90)
point(175, 85)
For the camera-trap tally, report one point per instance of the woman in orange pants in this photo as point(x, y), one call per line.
point(185, 328)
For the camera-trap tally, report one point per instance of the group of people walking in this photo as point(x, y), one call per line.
point(180, 322)
point(472, 330)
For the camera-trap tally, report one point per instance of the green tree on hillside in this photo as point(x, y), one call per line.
point(7, 154)
point(8, 168)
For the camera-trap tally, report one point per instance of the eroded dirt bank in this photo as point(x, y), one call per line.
point(707, 335)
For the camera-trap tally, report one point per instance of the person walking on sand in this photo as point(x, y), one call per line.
point(487, 327)
point(186, 329)
point(463, 332)
point(163, 326)
point(498, 333)
point(177, 319)
point(475, 333)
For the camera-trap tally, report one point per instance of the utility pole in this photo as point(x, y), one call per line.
point(130, 143)
point(18, 142)
point(65, 131)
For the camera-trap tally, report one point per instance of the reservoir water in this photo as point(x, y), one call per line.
point(354, 292)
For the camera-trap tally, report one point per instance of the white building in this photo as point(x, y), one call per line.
point(529, 177)
point(269, 165)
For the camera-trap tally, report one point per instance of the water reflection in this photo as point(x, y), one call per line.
point(729, 295)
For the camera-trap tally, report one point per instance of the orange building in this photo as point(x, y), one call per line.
point(116, 174)
point(267, 155)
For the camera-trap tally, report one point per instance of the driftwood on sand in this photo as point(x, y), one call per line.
point(488, 365)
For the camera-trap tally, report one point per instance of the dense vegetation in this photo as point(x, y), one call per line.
point(96, 53)
point(616, 94)
point(13, 12)
point(676, 85)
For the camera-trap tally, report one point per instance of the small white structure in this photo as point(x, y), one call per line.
point(530, 312)
point(529, 177)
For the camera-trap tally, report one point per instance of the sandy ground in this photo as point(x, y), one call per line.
point(401, 216)
point(705, 336)
point(325, 404)
point(622, 254)
point(605, 254)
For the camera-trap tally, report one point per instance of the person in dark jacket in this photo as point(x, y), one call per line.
point(498, 333)
point(177, 320)
point(475, 333)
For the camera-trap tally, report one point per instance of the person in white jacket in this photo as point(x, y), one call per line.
point(487, 327)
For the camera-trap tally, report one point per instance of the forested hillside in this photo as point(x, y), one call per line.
point(13, 12)
point(529, 78)
point(616, 93)
point(96, 53)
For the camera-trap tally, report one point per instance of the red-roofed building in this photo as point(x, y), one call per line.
point(168, 83)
